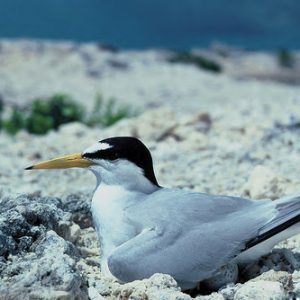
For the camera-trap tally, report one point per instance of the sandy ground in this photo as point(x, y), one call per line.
point(207, 132)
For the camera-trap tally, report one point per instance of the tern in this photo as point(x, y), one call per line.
point(144, 228)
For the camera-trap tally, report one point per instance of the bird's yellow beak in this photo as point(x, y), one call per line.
point(69, 161)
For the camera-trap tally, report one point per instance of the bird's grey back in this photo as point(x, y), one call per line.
point(197, 208)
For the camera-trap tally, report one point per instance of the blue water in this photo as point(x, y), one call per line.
point(178, 24)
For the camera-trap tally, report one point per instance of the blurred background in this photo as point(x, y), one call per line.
point(174, 24)
point(101, 61)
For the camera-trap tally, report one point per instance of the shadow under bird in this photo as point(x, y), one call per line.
point(195, 237)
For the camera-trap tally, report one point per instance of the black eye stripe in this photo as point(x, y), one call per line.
point(102, 154)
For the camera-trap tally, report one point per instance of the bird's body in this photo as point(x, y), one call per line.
point(156, 233)
point(145, 229)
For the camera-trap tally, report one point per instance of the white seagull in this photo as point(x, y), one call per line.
point(145, 228)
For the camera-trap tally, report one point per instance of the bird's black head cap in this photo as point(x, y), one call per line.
point(129, 148)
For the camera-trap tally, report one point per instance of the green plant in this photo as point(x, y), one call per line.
point(15, 122)
point(108, 113)
point(1, 105)
point(57, 110)
point(198, 60)
point(46, 114)
point(1, 111)
point(285, 58)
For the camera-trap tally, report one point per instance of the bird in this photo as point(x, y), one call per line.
point(195, 237)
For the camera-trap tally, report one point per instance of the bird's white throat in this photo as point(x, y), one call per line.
point(122, 173)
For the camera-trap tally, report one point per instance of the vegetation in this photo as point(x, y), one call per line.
point(197, 60)
point(285, 58)
point(1, 111)
point(47, 114)
point(14, 123)
point(107, 114)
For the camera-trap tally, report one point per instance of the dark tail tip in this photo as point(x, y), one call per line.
point(29, 168)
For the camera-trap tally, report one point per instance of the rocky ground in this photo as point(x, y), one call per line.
point(207, 132)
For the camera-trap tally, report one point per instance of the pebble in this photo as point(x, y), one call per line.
point(263, 183)
point(260, 290)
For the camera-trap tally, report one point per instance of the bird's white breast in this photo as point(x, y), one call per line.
point(108, 209)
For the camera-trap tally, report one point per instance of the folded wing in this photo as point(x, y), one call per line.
point(188, 235)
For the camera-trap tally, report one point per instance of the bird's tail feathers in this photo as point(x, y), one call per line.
point(288, 214)
point(287, 207)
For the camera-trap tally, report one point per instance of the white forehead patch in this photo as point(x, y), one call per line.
point(97, 147)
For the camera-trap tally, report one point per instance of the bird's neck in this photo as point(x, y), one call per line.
point(132, 181)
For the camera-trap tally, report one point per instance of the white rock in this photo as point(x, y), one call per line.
point(212, 296)
point(296, 283)
point(74, 128)
point(163, 281)
point(74, 232)
point(190, 140)
point(260, 290)
point(296, 289)
point(157, 287)
point(284, 278)
point(229, 291)
point(263, 183)
point(93, 294)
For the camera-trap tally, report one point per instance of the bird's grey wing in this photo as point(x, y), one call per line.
point(189, 249)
